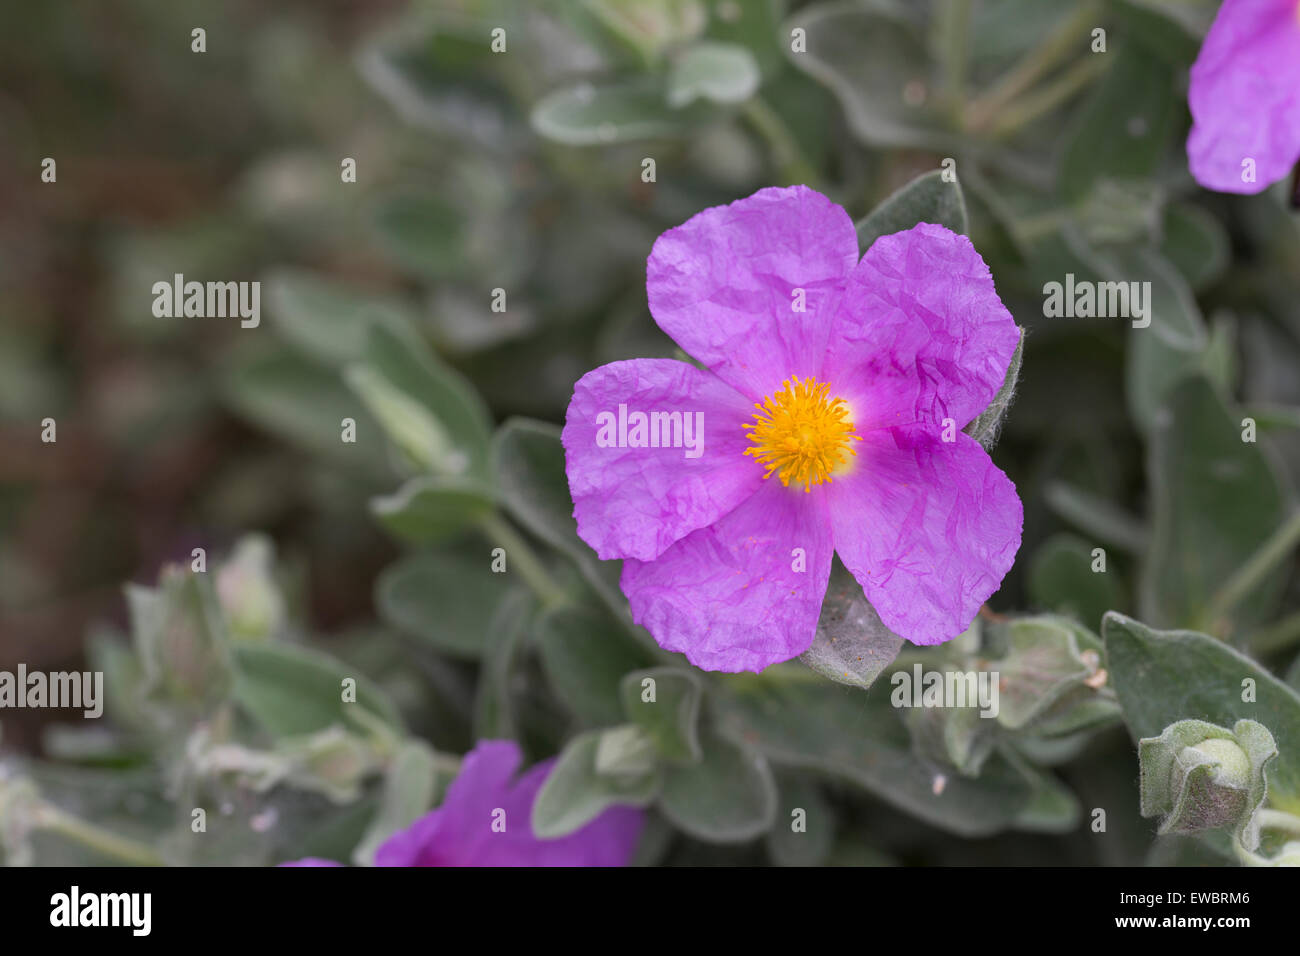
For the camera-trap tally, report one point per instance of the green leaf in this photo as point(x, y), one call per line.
point(293, 691)
point(988, 423)
point(507, 632)
point(1052, 807)
point(728, 797)
point(429, 408)
point(1123, 129)
point(851, 646)
point(859, 737)
point(1061, 579)
point(927, 198)
point(1162, 677)
point(530, 477)
point(867, 60)
point(1216, 499)
point(445, 597)
point(410, 787)
point(804, 829)
point(720, 72)
point(1196, 243)
point(421, 233)
point(306, 405)
point(667, 709)
point(574, 794)
point(587, 115)
point(430, 508)
point(585, 654)
point(326, 321)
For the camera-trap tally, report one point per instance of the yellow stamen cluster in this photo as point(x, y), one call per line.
point(801, 433)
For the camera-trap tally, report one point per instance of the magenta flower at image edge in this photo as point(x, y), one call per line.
point(727, 550)
point(486, 791)
point(1244, 95)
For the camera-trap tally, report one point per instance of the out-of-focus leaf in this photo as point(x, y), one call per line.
point(421, 232)
point(803, 833)
point(305, 404)
point(327, 321)
point(292, 690)
point(585, 654)
point(446, 597)
point(1215, 500)
point(431, 411)
point(720, 72)
point(728, 797)
point(429, 508)
point(1123, 129)
point(1061, 579)
point(877, 67)
point(574, 794)
point(530, 476)
point(1163, 677)
point(1196, 243)
point(852, 645)
point(668, 709)
point(858, 737)
point(587, 115)
point(925, 199)
point(507, 631)
point(410, 787)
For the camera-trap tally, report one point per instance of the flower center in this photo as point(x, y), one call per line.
point(801, 433)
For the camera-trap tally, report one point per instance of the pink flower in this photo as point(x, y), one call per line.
point(828, 422)
point(1245, 97)
point(486, 820)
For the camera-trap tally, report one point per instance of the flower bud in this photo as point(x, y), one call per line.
point(1197, 776)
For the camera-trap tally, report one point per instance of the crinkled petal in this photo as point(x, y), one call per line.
point(461, 831)
point(731, 597)
point(1245, 96)
point(921, 334)
point(724, 283)
point(635, 502)
point(928, 528)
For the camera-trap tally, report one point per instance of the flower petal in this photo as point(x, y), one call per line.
point(466, 830)
point(1245, 96)
point(724, 283)
point(730, 597)
point(921, 334)
point(928, 528)
point(635, 502)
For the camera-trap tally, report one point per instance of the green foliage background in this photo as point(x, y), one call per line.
point(523, 171)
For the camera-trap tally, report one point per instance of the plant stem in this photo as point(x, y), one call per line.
point(51, 818)
point(1028, 108)
point(953, 29)
point(985, 109)
point(786, 151)
point(1277, 636)
point(525, 559)
point(1262, 563)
